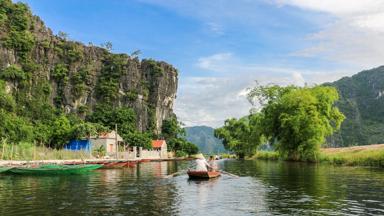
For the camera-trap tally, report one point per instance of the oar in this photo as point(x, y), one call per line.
point(230, 174)
point(174, 174)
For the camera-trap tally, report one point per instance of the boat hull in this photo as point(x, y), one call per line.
point(203, 174)
point(56, 169)
point(119, 165)
point(4, 169)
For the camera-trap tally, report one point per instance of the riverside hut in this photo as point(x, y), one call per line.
point(161, 147)
point(108, 140)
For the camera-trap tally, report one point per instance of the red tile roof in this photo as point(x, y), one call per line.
point(157, 143)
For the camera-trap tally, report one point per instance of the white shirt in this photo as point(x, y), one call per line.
point(201, 165)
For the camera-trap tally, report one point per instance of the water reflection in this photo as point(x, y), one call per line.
point(297, 188)
point(264, 188)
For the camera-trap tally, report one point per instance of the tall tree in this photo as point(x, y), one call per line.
point(241, 136)
point(298, 120)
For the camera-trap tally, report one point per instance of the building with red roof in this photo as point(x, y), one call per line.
point(161, 146)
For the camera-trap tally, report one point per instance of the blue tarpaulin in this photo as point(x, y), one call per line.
point(77, 145)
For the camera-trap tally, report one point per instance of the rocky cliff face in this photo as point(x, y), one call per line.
point(77, 78)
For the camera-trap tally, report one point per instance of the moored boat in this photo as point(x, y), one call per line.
point(203, 174)
point(52, 169)
point(115, 165)
point(4, 169)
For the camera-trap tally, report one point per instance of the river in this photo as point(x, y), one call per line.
point(263, 188)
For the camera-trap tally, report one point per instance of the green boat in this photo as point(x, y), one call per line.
point(52, 169)
point(4, 169)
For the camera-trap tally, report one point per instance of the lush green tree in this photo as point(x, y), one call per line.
point(61, 132)
point(86, 130)
point(42, 132)
point(138, 139)
point(298, 120)
point(182, 147)
point(14, 128)
point(124, 118)
point(241, 136)
point(171, 128)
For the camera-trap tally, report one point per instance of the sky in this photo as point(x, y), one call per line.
point(222, 47)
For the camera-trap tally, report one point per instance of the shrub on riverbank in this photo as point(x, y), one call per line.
point(28, 151)
point(371, 155)
point(266, 155)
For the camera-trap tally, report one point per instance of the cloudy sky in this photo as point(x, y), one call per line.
point(222, 46)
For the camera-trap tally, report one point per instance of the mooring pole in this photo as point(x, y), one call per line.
point(117, 148)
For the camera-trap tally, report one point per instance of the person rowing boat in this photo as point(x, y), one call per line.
point(201, 163)
point(212, 163)
point(203, 169)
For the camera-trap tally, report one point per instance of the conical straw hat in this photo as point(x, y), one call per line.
point(199, 156)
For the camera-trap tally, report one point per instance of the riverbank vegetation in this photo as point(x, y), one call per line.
point(28, 151)
point(369, 155)
point(294, 120)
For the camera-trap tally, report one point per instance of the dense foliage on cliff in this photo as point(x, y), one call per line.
point(362, 102)
point(296, 121)
point(53, 89)
point(203, 137)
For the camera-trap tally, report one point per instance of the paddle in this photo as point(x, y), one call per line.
point(230, 174)
point(174, 174)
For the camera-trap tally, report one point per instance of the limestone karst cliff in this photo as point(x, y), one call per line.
point(41, 68)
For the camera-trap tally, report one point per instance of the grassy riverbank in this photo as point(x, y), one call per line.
point(28, 151)
point(371, 155)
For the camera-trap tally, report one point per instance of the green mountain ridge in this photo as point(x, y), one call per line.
point(204, 138)
point(362, 102)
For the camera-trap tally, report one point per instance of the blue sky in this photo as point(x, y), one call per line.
point(222, 46)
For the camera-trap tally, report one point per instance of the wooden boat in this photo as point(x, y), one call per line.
point(114, 165)
point(131, 164)
point(203, 174)
point(4, 169)
point(52, 169)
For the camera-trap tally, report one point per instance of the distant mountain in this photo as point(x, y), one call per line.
point(203, 137)
point(362, 102)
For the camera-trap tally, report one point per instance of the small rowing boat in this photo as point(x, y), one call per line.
point(52, 169)
point(4, 169)
point(203, 174)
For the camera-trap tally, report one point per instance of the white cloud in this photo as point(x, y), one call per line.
point(211, 100)
point(215, 28)
point(355, 38)
point(298, 79)
point(214, 62)
point(375, 22)
point(337, 7)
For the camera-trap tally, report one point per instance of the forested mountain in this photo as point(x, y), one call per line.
point(50, 84)
point(362, 102)
point(204, 138)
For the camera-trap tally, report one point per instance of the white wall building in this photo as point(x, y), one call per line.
point(108, 140)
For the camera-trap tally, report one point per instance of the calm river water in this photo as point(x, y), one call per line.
point(263, 188)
